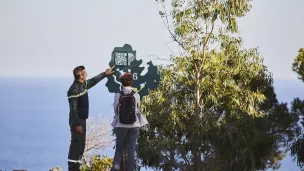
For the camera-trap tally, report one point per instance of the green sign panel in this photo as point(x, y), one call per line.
point(124, 59)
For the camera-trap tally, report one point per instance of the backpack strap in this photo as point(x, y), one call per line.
point(119, 100)
point(122, 93)
point(132, 93)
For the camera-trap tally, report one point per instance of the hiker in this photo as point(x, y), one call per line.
point(79, 111)
point(127, 121)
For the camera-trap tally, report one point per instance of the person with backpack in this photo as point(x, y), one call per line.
point(127, 121)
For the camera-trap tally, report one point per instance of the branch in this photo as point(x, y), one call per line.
point(166, 23)
point(183, 154)
point(98, 136)
point(85, 158)
point(210, 33)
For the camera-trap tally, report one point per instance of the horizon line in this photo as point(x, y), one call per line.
point(72, 77)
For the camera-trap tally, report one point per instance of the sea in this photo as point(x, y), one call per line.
point(34, 131)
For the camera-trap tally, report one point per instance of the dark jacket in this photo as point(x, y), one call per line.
point(79, 99)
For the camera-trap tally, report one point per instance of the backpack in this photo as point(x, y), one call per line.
point(126, 108)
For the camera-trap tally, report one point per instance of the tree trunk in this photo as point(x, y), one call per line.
point(195, 144)
point(86, 160)
point(196, 157)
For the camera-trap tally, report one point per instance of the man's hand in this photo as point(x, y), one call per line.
point(109, 71)
point(79, 129)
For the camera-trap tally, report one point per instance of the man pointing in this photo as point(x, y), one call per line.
point(79, 111)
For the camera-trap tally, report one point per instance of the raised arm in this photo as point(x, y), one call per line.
point(93, 81)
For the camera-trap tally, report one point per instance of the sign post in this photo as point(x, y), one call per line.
point(124, 60)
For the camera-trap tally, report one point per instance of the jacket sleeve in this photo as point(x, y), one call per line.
point(93, 81)
point(73, 101)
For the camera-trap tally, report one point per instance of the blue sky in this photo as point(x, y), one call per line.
point(36, 36)
point(49, 38)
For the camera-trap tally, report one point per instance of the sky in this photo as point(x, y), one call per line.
point(49, 38)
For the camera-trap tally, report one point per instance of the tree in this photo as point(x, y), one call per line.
point(215, 108)
point(297, 107)
point(98, 137)
point(298, 64)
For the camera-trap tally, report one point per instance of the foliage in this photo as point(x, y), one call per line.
point(297, 107)
point(298, 64)
point(97, 164)
point(192, 22)
point(57, 168)
point(229, 140)
point(215, 108)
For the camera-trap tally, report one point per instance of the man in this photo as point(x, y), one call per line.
point(127, 121)
point(79, 111)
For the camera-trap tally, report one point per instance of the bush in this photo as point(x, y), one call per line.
point(57, 168)
point(98, 164)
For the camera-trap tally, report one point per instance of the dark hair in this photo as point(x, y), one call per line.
point(77, 70)
point(126, 79)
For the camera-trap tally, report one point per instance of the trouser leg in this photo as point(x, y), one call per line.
point(77, 147)
point(83, 139)
point(121, 134)
point(131, 146)
point(73, 166)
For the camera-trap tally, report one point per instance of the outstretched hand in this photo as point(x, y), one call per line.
point(110, 71)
